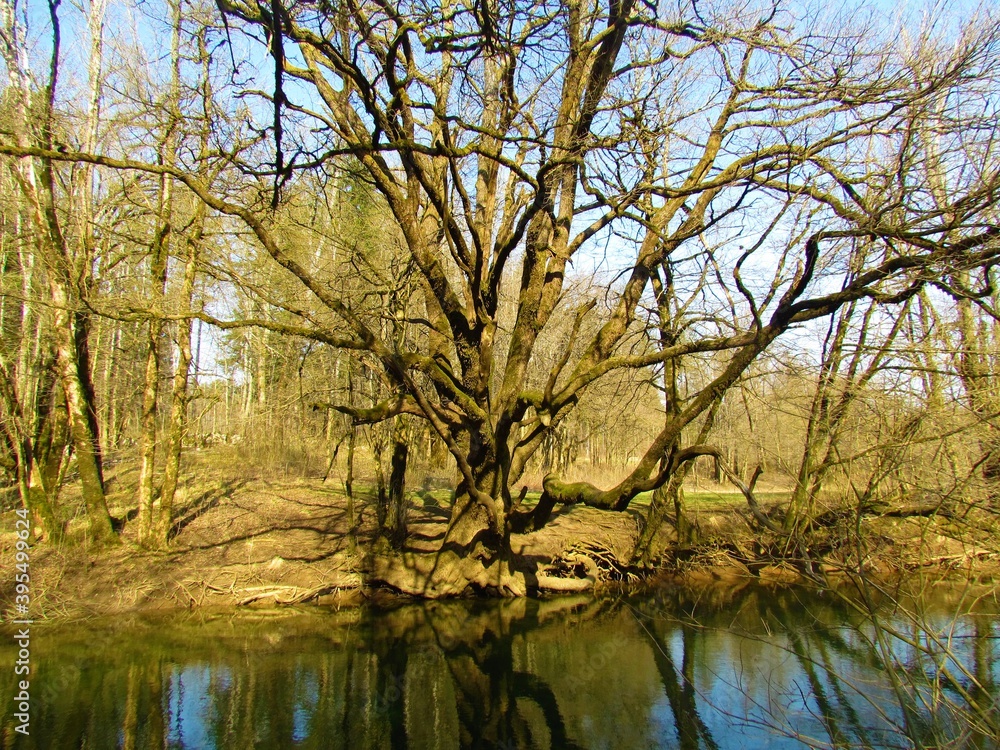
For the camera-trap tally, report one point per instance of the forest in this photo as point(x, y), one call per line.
point(465, 270)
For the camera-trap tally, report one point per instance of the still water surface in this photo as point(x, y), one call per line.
point(755, 668)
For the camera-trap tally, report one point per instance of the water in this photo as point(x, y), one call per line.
point(747, 669)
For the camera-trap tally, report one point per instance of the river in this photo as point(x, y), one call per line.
point(723, 668)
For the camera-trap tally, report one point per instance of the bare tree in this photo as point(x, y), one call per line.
point(508, 143)
point(63, 246)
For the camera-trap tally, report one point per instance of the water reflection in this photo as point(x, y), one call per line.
point(759, 669)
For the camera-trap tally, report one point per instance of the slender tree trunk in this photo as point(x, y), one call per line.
point(147, 439)
point(817, 427)
point(381, 491)
point(175, 436)
point(29, 404)
point(671, 493)
point(979, 382)
point(108, 405)
point(49, 455)
point(349, 490)
point(179, 393)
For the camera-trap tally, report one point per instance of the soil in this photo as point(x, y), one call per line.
point(260, 542)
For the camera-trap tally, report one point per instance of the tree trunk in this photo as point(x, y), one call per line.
point(147, 437)
point(48, 457)
point(475, 554)
point(85, 440)
point(663, 497)
point(150, 531)
point(175, 435)
point(349, 490)
point(69, 325)
point(179, 393)
point(150, 393)
point(979, 382)
point(397, 486)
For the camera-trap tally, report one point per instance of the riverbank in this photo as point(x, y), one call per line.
point(258, 542)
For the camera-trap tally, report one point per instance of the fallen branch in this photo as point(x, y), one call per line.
point(297, 595)
point(959, 557)
point(909, 511)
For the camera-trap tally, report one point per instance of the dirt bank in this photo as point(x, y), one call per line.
point(259, 542)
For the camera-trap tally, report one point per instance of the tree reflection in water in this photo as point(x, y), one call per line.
point(758, 668)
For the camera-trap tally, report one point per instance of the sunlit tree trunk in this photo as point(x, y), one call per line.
point(69, 324)
point(149, 532)
point(31, 401)
point(974, 365)
point(179, 395)
point(147, 439)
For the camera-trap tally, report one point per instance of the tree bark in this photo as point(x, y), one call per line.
point(150, 393)
point(397, 486)
point(85, 440)
point(179, 396)
point(178, 400)
point(70, 330)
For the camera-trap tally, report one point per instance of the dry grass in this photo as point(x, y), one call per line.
point(247, 533)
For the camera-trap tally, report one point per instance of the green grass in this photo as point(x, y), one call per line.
point(709, 500)
point(702, 500)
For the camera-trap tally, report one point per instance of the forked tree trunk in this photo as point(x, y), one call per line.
point(179, 392)
point(32, 405)
point(85, 439)
point(150, 532)
point(664, 497)
point(38, 185)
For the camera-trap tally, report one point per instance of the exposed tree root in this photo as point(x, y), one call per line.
point(561, 575)
point(581, 567)
point(445, 573)
point(559, 585)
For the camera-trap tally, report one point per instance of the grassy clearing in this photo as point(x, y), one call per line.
point(701, 500)
point(704, 500)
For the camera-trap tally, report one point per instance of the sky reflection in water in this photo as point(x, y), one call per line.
point(747, 669)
